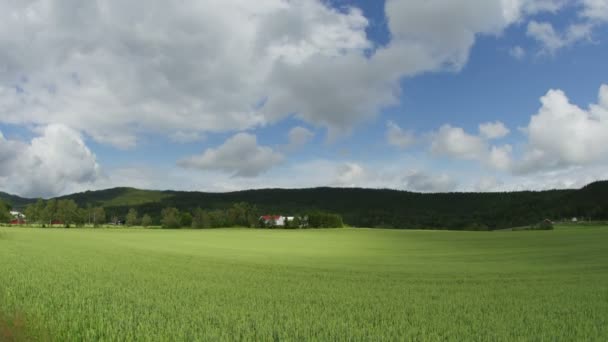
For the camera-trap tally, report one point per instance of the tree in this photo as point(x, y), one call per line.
point(35, 211)
point(99, 216)
point(201, 219)
point(186, 219)
point(49, 213)
point(170, 218)
point(545, 225)
point(67, 212)
point(217, 219)
point(30, 213)
point(324, 220)
point(5, 215)
point(146, 220)
point(131, 219)
point(297, 222)
point(242, 215)
point(82, 216)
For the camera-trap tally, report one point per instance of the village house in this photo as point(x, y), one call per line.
point(17, 218)
point(276, 220)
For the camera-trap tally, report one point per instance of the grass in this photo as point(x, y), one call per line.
point(341, 284)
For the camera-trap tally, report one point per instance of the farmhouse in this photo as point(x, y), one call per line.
point(275, 220)
point(17, 218)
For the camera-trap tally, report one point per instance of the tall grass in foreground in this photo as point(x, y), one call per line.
point(154, 285)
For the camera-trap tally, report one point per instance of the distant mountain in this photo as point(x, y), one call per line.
point(369, 207)
point(15, 201)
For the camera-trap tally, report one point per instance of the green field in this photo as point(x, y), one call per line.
point(327, 285)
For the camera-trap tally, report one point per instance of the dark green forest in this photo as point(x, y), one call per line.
point(375, 208)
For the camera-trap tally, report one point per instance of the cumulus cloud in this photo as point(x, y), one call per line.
point(355, 174)
point(596, 9)
point(417, 180)
point(551, 40)
point(117, 69)
point(455, 143)
point(56, 162)
point(500, 157)
point(562, 134)
point(517, 52)
point(493, 130)
point(299, 136)
point(184, 137)
point(396, 136)
point(350, 175)
point(487, 184)
point(240, 156)
point(592, 13)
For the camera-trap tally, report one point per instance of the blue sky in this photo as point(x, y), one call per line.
point(465, 95)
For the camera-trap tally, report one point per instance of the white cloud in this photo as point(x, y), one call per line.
point(552, 41)
point(446, 29)
point(184, 137)
point(487, 184)
point(493, 130)
point(396, 136)
point(350, 175)
point(56, 162)
point(535, 6)
point(592, 13)
point(562, 134)
point(117, 69)
point(416, 180)
point(240, 156)
point(356, 174)
point(517, 52)
point(455, 143)
point(299, 136)
point(500, 157)
point(596, 9)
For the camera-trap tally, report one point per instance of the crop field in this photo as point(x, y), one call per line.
point(325, 285)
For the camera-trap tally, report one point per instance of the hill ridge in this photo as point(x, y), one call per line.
point(388, 208)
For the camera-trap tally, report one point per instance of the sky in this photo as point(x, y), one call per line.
point(224, 95)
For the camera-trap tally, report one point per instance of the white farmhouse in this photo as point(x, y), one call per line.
point(276, 220)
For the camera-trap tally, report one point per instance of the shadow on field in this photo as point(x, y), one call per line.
point(15, 328)
point(12, 328)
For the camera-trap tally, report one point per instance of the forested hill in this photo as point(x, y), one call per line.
point(15, 201)
point(374, 207)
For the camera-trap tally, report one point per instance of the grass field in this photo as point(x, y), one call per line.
point(329, 285)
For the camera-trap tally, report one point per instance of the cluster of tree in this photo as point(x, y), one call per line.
point(324, 220)
point(67, 213)
point(372, 208)
point(63, 212)
point(132, 219)
point(238, 215)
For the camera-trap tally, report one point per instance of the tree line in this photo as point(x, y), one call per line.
point(66, 213)
point(371, 208)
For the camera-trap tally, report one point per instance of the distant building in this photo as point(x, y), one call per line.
point(17, 218)
point(276, 220)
